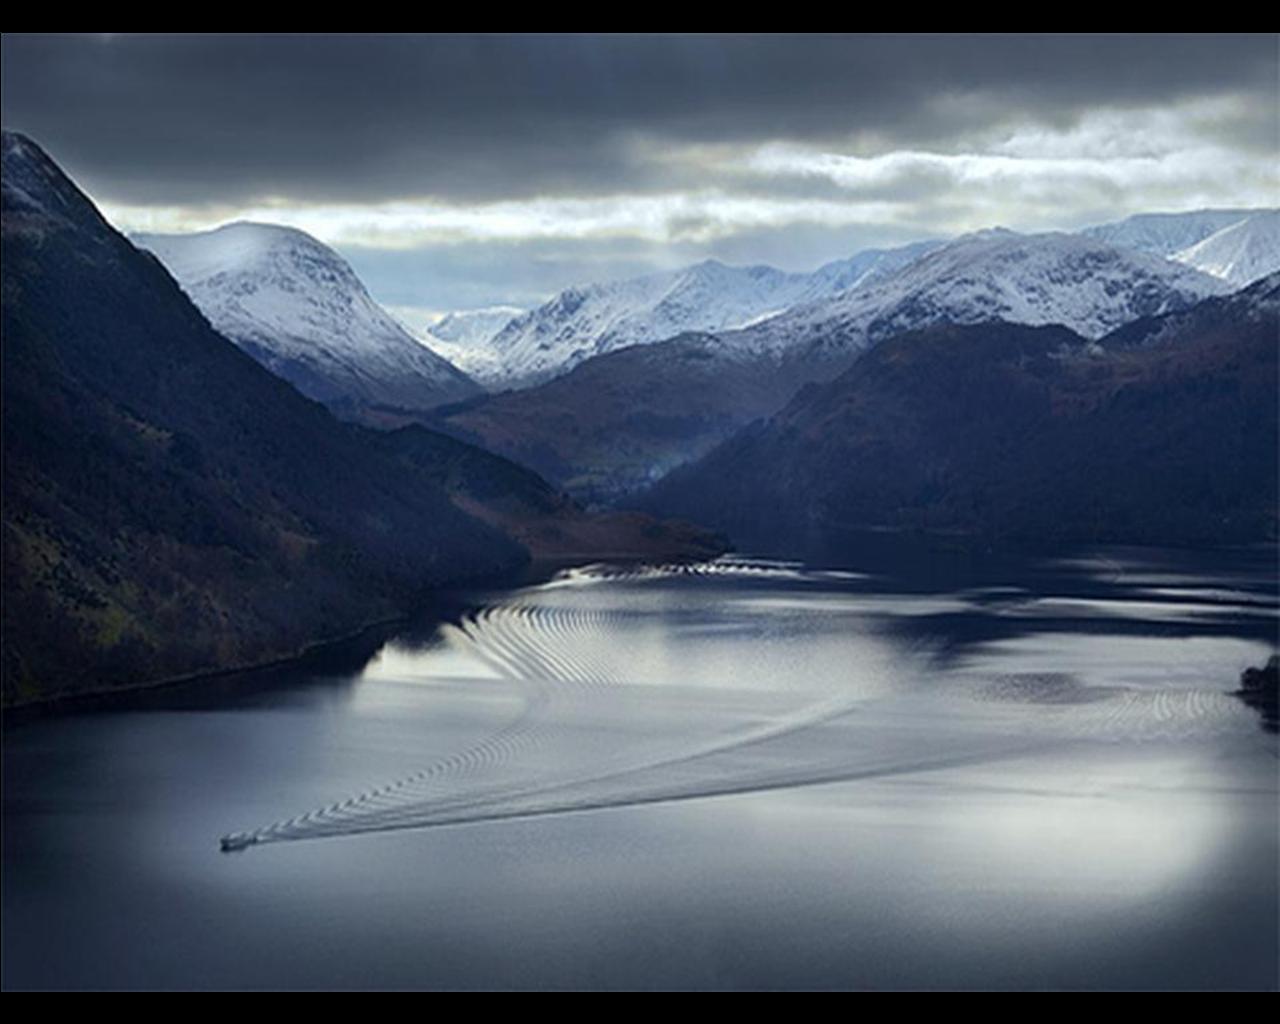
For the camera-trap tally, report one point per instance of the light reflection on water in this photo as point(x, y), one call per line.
point(783, 777)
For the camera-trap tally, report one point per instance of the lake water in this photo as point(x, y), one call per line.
point(749, 774)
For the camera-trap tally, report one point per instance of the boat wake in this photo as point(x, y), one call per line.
point(610, 716)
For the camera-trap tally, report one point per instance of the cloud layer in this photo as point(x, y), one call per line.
point(567, 153)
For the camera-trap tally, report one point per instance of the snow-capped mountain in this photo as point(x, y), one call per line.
point(1241, 252)
point(474, 326)
point(1166, 233)
point(1238, 246)
point(466, 339)
point(1072, 280)
point(297, 307)
point(710, 296)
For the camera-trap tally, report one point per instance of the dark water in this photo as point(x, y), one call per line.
point(994, 773)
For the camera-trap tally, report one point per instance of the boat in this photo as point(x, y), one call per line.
point(237, 841)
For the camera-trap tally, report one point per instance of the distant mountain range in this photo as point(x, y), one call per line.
point(619, 421)
point(1164, 431)
point(298, 308)
point(526, 348)
point(710, 296)
point(171, 507)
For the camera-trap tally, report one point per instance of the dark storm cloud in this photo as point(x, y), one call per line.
point(162, 119)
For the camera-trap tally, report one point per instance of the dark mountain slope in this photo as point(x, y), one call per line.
point(546, 521)
point(618, 422)
point(169, 505)
point(1163, 433)
point(1223, 314)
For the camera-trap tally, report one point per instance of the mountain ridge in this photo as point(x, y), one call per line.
point(596, 319)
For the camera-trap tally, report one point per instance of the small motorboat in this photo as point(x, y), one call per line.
point(237, 841)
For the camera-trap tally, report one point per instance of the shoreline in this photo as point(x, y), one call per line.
point(531, 573)
point(74, 703)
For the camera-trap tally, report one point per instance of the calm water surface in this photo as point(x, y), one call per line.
point(743, 774)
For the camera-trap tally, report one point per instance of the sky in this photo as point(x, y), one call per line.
point(457, 172)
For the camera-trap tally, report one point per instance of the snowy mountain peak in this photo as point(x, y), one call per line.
point(1166, 233)
point(246, 248)
point(296, 306)
point(1241, 252)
